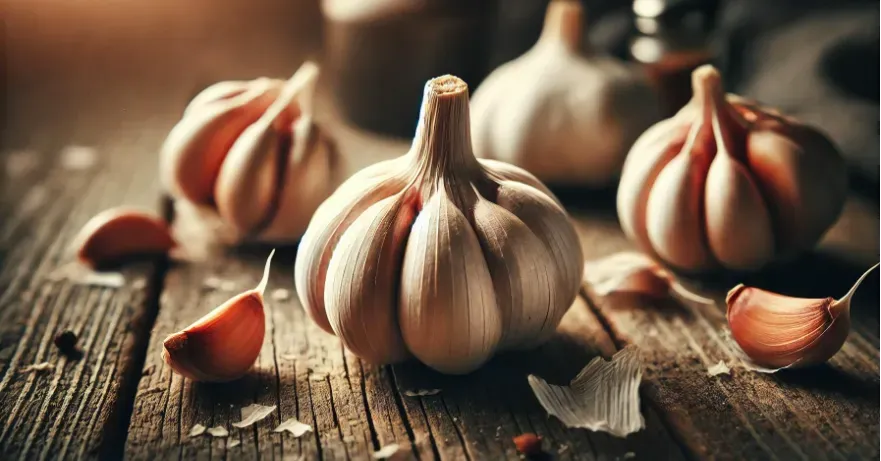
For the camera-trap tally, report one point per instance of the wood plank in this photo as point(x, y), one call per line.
point(356, 408)
point(72, 409)
point(828, 412)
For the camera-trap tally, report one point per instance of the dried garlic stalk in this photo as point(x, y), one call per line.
point(603, 397)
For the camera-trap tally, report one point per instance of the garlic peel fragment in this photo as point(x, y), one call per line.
point(254, 413)
point(225, 343)
point(603, 397)
point(635, 273)
point(777, 331)
point(296, 428)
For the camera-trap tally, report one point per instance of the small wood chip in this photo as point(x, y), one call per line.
point(386, 452)
point(218, 431)
point(78, 158)
point(421, 392)
point(296, 428)
point(197, 430)
point(719, 369)
point(253, 413)
point(38, 367)
point(65, 341)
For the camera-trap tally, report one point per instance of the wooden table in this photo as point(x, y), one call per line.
point(121, 400)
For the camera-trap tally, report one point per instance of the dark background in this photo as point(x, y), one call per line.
point(817, 60)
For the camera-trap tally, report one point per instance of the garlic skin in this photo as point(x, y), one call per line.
point(250, 154)
point(438, 255)
point(223, 345)
point(778, 331)
point(567, 117)
point(725, 184)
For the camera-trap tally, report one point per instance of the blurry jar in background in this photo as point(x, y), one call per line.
point(380, 53)
point(671, 39)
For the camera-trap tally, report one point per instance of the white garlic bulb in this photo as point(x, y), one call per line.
point(726, 184)
point(251, 154)
point(565, 116)
point(438, 255)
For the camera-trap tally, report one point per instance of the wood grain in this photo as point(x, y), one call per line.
point(827, 412)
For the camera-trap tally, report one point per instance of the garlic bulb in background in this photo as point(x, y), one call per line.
point(728, 184)
point(439, 255)
point(250, 154)
point(566, 116)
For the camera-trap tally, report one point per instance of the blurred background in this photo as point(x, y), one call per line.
point(67, 63)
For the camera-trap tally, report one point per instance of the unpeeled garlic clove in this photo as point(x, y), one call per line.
point(778, 331)
point(224, 344)
point(117, 234)
point(726, 184)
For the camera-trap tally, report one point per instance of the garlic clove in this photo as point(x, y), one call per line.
point(217, 92)
point(522, 272)
point(361, 289)
point(448, 313)
point(196, 147)
point(789, 177)
point(501, 171)
point(249, 177)
point(733, 199)
point(548, 221)
point(305, 183)
point(223, 345)
point(778, 331)
point(328, 224)
point(120, 233)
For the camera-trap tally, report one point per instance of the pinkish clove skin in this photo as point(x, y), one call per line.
point(778, 331)
point(223, 345)
point(118, 234)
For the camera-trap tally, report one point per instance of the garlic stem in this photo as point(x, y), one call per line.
point(261, 287)
point(563, 24)
point(305, 75)
point(844, 302)
point(706, 82)
point(443, 137)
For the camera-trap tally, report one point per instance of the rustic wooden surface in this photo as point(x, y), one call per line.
point(120, 400)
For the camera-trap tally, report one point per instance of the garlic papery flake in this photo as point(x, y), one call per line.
point(727, 184)
point(439, 255)
point(250, 154)
point(778, 331)
point(224, 344)
point(566, 116)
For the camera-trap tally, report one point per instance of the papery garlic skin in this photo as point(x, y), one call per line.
point(250, 154)
point(439, 255)
point(725, 184)
point(563, 115)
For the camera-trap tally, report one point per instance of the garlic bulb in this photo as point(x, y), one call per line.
point(778, 331)
point(567, 117)
point(438, 255)
point(251, 153)
point(727, 184)
point(224, 344)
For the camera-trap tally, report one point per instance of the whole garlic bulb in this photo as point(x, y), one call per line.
point(565, 116)
point(251, 153)
point(438, 255)
point(727, 184)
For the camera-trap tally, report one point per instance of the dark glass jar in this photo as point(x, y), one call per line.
point(379, 55)
point(671, 39)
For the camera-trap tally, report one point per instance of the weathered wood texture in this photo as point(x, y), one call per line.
point(355, 407)
point(828, 412)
